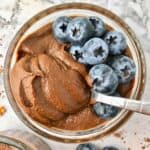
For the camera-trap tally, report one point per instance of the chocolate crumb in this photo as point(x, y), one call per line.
point(2, 110)
point(118, 135)
point(1, 69)
point(2, 94)
point(122, 138)
point(124, 142)
point(143, 147)
point(147, 139)
point(134, 133)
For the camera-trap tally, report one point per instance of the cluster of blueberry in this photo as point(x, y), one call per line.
point(102, 50)
point(90, 146)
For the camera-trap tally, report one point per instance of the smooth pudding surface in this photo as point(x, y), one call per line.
point(6, 147)
point(51, 86)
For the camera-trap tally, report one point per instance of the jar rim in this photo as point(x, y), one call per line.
point(13, 142)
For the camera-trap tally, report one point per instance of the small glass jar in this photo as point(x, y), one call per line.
point(76, 9)
point(22, 140)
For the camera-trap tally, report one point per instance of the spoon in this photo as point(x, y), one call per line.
point(125, 103)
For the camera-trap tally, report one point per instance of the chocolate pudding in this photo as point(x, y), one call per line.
point(6, 147)
point(51, 86)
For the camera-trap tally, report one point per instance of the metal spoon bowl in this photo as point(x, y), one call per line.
point(125, 103)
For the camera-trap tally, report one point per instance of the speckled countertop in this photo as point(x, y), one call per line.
point(13, 13)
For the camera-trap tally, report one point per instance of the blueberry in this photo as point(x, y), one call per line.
point(105, 111)
point(60, 28)
point(124, 67)
point(79, 30)
point(116, 41)
point(76, 51)
point(98, 25)
point(110, 148)
point(87, 146)
point(95, 51)
point(103, 78)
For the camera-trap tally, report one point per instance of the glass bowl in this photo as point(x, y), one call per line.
point(75, 9)
point(17, 145)
point(22, 140)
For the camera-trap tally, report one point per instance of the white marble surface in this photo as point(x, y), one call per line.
point(13, 13)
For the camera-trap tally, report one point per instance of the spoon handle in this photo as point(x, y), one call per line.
point(125, 103)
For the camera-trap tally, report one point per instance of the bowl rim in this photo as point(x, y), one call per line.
point(13, 142)
point(43, 13)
